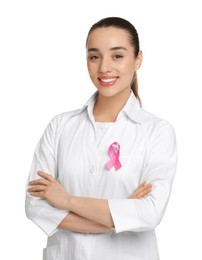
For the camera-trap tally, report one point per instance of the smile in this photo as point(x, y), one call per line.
point(106, 81)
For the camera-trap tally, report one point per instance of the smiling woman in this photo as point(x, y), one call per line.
point(112, 61)
point(101, 176)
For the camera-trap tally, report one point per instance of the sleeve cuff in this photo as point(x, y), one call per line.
point(48, 220)
point(124, 214)
point(45, 216)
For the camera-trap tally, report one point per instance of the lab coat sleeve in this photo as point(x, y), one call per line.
point(39, 210)
point(159, 169)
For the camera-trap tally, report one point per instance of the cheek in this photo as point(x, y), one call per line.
point(91, 69)
point(92, 74)
point(128, 66)
point(88, 67)
point(128, 71)
point(131, 69)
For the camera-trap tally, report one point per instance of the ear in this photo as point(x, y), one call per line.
point(138, 60)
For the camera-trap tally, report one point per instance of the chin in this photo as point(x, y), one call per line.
point(110, 92)
point(107, 92)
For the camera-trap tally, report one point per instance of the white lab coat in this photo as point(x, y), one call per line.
point(74, 149)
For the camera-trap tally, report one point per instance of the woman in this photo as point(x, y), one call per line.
point(101, 176)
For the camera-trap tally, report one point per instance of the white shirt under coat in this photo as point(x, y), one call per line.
point(74, 149)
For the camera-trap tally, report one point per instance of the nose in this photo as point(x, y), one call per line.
point(105, 65)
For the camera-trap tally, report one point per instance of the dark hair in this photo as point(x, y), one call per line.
point(134, 40)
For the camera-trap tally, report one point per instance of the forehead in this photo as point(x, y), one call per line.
point(108, 37)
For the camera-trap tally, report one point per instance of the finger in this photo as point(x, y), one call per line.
point(39, 182)
point(46, 176)
point(140, 188)
point(141, 185)
point(145, 187)
point(37, 188)
point(141, 191)
point(39, 194)
point(144, 192)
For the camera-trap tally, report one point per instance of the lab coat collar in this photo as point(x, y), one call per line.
point(132, 108)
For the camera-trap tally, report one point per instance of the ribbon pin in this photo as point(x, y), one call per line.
point(114, 151)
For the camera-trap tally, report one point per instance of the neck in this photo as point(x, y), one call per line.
point(106, 109)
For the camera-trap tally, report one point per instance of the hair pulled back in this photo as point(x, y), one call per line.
point(121, 23)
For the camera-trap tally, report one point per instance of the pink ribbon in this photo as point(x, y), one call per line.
point(114, 152)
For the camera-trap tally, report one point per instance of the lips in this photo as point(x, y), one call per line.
point(107, 81)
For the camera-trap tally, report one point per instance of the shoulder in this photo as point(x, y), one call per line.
point(60, 120)
point(66, 116)
point(159, 132)
point(155, 125)
point(149, 118)
point(143, 117)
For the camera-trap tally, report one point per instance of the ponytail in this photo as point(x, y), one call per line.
point(134, 88)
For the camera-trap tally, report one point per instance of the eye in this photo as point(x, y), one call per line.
point(118, 56)
point(93, 57)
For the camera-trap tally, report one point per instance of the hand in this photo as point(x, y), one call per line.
point(51, 190)
point(141, 191)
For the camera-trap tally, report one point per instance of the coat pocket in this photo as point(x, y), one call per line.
point(52, 253)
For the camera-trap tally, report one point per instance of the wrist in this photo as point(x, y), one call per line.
point(70, 202)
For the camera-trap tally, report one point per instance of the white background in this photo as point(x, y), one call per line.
point(43, 73)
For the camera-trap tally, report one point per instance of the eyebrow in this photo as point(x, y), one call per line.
point(111, 49)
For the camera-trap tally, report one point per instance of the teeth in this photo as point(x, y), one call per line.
point(108, 80)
